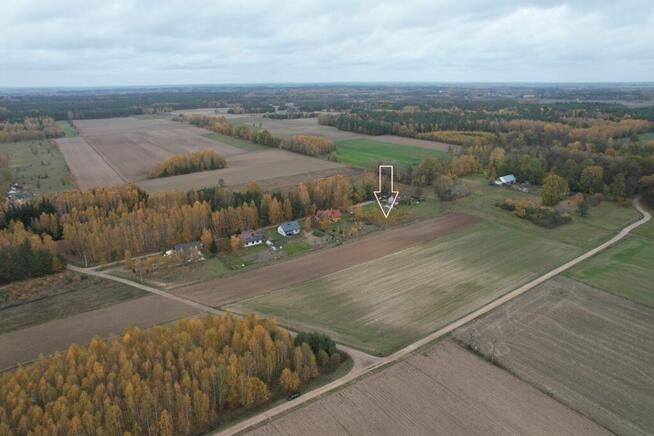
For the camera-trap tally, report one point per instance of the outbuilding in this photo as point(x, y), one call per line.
point(509, 179)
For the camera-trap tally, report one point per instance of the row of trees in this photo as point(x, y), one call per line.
point(201, 160)
point(304, 144)
point(99, 225)
point(309, 145)
point(30, 129)
point(175, 380)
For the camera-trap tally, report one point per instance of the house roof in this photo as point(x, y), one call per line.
point(251, 236)
point(331, 213)
point(509, 178)
point(188, 246)
point(291, 226)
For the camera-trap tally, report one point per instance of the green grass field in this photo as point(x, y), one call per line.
point(236, 142)
point(626, 269)
point(68, 129)
point(80, 295)
point(38, 165)
point(601, 224)
point(361, 151)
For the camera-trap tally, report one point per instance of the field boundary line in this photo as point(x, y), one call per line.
point(400, 354)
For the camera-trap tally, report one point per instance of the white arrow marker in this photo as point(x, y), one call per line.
point(386, 209)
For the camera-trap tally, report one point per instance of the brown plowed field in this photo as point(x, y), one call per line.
point(281, 275)
point(87, 166)
point(589, 349)
point(243, 168)
point(116, 150)
point(26, 344)
point(445, 390)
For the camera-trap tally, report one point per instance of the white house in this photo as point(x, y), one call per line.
point(289, 229)
point(509, 179)
point(250, 239)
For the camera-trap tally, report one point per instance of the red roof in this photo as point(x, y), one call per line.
point(332, 214)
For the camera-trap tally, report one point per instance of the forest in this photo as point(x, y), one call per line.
point(201, 160)
point(175, 380)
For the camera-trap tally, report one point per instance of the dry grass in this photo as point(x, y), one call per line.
point(445, 390)
point(589, 349)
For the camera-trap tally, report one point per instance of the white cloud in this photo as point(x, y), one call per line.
point(151, 42)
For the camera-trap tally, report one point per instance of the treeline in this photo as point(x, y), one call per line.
point(305, 144)
point(202, 160)
point(30, 129)
point(177, 380)
point(24, 255)
point(101, 224)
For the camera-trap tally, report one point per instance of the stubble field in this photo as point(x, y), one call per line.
point(444, 390)
point(392, 301)
point(589, 349)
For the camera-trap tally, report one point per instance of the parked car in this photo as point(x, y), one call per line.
point(292, 396)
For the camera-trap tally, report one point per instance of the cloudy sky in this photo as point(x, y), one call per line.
point(150, 42)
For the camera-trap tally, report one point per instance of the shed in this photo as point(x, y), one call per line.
point(509, 179)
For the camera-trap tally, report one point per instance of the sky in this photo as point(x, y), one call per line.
point(157, 42)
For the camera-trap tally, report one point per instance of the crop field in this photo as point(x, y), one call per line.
point(444, 390)
point(585, 347)
point(362, 151)
point(70, 295)
point(26, 344)
point(38, 165)
point(626, 269)
point(243, 168)
point(131, 146)
point(312, 265)
point(390, 302)
point(88, 168)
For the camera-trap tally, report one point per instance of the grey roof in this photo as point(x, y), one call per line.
point(188, 246)
point(509, 178)
point(291, 226)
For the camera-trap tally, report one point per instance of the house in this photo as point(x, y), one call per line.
point(289, 229)
point(187, 250)
point(249, 239)
point(332, 214)
point(509, 179)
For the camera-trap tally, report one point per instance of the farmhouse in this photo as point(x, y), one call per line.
point(249, 239)
point(509, 179)
point(332, 214)
point(289, 229)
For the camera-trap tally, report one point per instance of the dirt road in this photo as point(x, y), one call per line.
point(352, 375)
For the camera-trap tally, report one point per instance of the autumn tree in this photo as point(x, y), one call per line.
point(554, 189)
point(592, 179)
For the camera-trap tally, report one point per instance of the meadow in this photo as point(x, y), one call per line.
point(626, 269)
point(361, 151)
point(38, 165)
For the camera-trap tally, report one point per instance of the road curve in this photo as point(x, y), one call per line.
point(361, 368)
